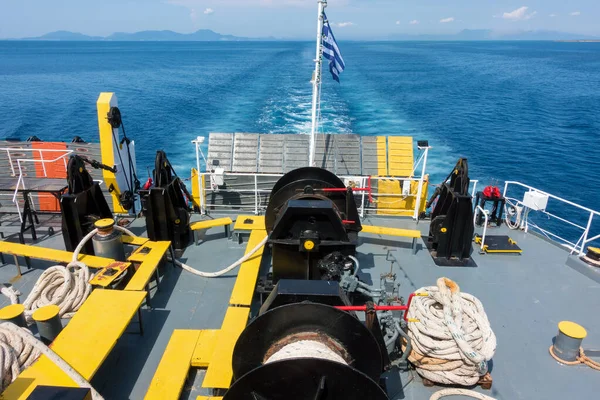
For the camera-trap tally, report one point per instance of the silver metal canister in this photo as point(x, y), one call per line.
point(107, 242)
point(568, 340)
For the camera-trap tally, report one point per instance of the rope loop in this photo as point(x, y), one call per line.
point(581, 359)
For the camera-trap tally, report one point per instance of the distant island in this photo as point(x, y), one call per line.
point(207, 35)
point(488, 34)
point(202, 35)
point(580, 41)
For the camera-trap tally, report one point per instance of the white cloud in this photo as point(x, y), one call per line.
point(209, 11)
point(344, 24)
point(552, 15)
point(520, 14)
point(414, 22)
point(446, 20)
point(575, 13)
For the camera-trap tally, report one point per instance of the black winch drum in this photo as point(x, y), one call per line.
point(303, 377)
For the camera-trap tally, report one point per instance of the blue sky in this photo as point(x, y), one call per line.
point(296, 18)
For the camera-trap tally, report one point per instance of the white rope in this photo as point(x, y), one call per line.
point(16, 354)
point(11, 293)
point(508, 215)
point(35, 348)
point(224, 270)
point(67, 287)
point(306, 349)
point(453, 341)
point(459, 392)
point(203, 273)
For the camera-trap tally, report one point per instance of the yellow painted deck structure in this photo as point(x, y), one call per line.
point(84, 343)
point(212, 349)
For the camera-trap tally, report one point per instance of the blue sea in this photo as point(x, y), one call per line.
point(526, 111)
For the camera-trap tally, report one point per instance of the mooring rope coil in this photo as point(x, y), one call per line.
point(16, 354)
point(453, 340)
point(15, 340)
point(67, 287)
point(459, 392)
point(306, 349)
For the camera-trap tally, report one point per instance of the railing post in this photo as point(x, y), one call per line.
point(474, 188)
point(585, 234)
point(43, 163)
point(420, 189)
point(505, 189)
point(200, 175)
point(485, 214)
point(255, 195)
point(12, 168)
point(362, 197)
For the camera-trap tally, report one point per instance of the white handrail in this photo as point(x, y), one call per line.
point(478, 208)
point(581, 244)
point(21, 180)
point(549, 195)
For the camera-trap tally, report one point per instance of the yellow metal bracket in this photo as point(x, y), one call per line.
point(108, 145)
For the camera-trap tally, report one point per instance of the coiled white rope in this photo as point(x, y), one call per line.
point(67, 287)
point(459, 392)
point(22, 342)
point(508, 215)
point(453, 341)
point(306, 349)
point(16, 353)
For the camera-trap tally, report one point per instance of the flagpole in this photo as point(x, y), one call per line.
point(316, 84)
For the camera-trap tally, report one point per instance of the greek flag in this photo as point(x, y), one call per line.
point(331, 51)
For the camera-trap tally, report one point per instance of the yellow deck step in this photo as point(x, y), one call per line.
point(205, 347)
point(135, 241)
point(245, 284)
point(149, 255)
point(84, 343)
point(397, 232)
point(210, 223)
point(60, 256)
point(384, 230)
point(198, 226)
point(249, 223)
point(219, 373)
point(174, 366)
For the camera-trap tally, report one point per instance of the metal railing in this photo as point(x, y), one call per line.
point(43, 161)
point(361, 181)
point(584, 212)
point(486, 213)
point(367, 203)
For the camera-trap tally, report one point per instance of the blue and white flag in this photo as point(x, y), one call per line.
point(331, 51)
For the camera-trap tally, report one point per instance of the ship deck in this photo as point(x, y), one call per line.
point(525, 296)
